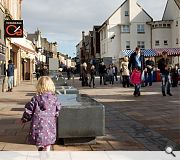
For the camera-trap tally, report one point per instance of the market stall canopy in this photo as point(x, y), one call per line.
point(147, 52)
point(170, 51)
point(154, 52)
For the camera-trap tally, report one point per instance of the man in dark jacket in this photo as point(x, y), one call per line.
point(10, 74)
point(136, 60)
point(149, 71)
point(102, 73)
point(164, 66)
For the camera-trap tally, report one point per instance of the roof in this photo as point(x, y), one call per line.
point(105, 23)
point(177, 3)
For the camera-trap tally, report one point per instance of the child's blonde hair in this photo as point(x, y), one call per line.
point(45, 84)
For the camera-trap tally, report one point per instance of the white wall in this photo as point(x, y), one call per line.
point(161, 34)
point(172, 12)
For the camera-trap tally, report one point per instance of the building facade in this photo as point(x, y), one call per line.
point(9, 10)
point(125, 29)
point(166, 32)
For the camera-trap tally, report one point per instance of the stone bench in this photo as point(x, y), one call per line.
point(81, 119)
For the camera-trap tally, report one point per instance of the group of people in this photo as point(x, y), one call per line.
point(139, 72)
point(106, 73)
point(41, 71)
point(135, 71)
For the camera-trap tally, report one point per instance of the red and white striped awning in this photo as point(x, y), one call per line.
point(170, 51)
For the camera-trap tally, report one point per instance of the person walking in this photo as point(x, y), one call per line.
point(164, 66)
point(102, 73)
point(125, 72)
point(10, 74)
point(42, 111)
point(174, 76)
point(136, 81)
point(115, 72)
point(38, 72)
point(110, 74)
point(149, 71)
point(137, 60)
point(84, 75)
point(92, 73)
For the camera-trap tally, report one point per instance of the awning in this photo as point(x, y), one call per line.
point(170, 51)
point(25, 49)
point(24, 44)
point(147, 52)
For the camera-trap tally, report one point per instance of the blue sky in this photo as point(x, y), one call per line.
point(63, 21)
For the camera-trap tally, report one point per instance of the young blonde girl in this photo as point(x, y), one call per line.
point(42, 111)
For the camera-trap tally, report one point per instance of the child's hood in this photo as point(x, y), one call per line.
point(43, 101)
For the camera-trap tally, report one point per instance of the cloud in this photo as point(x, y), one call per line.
point(64, 20)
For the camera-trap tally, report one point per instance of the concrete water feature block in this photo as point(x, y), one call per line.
point(81, 119)
point(59, 81)
point(66, 90)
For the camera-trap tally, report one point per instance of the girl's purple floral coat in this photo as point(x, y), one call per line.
point(42, 111)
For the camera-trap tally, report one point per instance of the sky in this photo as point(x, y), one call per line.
point(64, 20)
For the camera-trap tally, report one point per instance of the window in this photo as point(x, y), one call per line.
point(126, 13)
point(177, 41)
point(168, 25)
point(160, 25)
point(164, 25)
point(165, 42)
point(141, 44)
point(140, 28)
point(176, 23)
point(128, 45)
point(157, 43)
point(125, 29)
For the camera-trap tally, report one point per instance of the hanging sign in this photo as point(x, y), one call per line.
point(13, 28)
